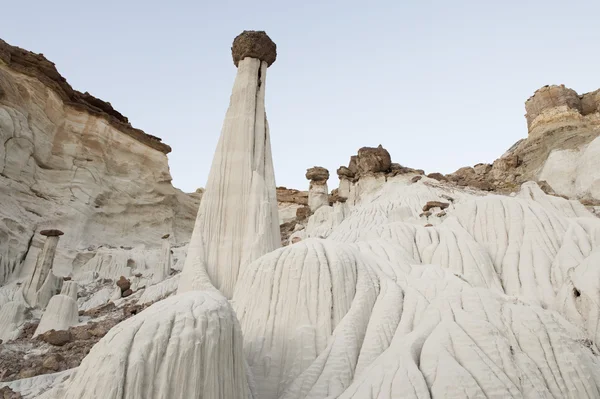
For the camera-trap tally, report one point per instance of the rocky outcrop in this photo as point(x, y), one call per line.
point(562, 148)
point(44, 71)
point(72, 162)
point(238, 218)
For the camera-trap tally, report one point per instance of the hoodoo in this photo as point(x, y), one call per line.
point(43, 283)
point(237, 220)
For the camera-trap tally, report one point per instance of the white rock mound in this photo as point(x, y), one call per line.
point(61, 312)
point(186, 347)
point(391, 306)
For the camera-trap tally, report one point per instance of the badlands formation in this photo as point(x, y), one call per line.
point(483, 283)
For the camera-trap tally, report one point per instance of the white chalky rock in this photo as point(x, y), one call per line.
point(61, 312)
point(238, 218)
point(12, 317)
point(387, 308)
point(188, 346)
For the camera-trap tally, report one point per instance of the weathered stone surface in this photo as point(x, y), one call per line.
point(67, 164)
point(317, 174)
point(7, 393)
point(416, 179)
point(435, 204)
point(51, 233)
point(303, 213)
point(287, 195)
point(345, 173)
point(254, 44)
point(38, 67)
point(437, 176)
point(56, 338)
point(123, 283)
point(373, 160)
point(551, 97)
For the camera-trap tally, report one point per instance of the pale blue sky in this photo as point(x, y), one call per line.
point(440, 84)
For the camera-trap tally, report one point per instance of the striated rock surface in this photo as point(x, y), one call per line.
point(238, 217)
point(187, 346)
point(562, 148)
point(70, 161)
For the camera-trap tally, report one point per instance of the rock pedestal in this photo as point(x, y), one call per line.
point(41, 287)
point(318, 194)
point(164, 268)
point(238, 218)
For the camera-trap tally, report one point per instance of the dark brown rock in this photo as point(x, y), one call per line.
point(437, 176)
point(67, 278)
point(416, 179)
point(51, 233)
point(435, 204)
point(345, 173)
point(317, 174)
point(254, 44)
point(373, 160)
point(28, 330)
point(292, 196)
point(303, 213)
point(126, 293)
point(124, 284)
point(56, 338)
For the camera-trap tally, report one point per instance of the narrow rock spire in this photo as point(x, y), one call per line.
point(237, 220)
point(318, 194)
point(40, 288)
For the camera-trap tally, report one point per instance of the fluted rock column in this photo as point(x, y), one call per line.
point(237, 220)
point(318, 194)
point(164, 268)
point(42, 278)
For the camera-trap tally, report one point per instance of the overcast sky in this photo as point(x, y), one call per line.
point(440, 84)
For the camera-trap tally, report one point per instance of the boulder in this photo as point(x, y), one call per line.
point(56, 338)
point(373, 160)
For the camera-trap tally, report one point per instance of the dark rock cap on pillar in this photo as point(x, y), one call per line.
point(51, 233)
point(254, 44)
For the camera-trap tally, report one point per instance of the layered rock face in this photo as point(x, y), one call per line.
point(70, 161)
point(399, 285)
point(561, 150)
point(238, 218)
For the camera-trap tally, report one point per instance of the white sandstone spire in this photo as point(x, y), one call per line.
point(237, 220)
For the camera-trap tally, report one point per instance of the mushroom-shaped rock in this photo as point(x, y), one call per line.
point(254, 44)
point(39, 288)
point(186, 346)
point(61, 312)
point(238, 219)
point(373, 160)
point(318, 194)
point(317, 174)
